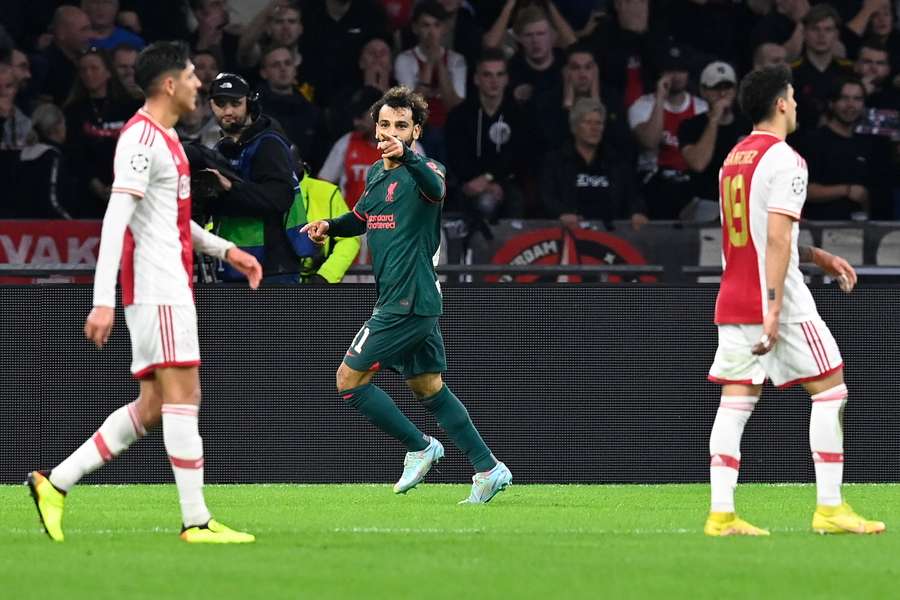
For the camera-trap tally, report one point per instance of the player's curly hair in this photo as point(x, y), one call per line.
point(761, 88)
point(401, 96)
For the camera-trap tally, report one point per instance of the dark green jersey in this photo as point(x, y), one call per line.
point(401, 212)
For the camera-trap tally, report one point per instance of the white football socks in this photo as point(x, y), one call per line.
point(118, 432)
point(826, 440)
point(725, 449)
point(184, 445)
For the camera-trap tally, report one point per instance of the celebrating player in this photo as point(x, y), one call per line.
point(148, 227)
point(400, 211)
point(767, 319)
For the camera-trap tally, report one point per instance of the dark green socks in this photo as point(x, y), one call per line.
point(377, 407)
point(454, 419)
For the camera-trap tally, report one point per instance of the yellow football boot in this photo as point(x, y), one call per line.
point(842, 519)
point(215, 533)
point(720, 524)
point(49, 502)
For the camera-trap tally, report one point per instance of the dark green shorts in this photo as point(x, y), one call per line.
point(408, 344)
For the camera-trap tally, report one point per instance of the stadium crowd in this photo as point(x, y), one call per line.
point(568, 109)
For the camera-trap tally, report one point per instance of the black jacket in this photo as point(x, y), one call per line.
point(604, 190)
point(44, 187)
point(266, 194)
point(479, 143)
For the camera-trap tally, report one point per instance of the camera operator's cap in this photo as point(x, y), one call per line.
point(229, 85)
point(717, 73)
point(674, 57)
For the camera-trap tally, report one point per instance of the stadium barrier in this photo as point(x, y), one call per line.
point(539, 250)
point(594, 383)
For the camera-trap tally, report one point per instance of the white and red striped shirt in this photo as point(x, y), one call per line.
point(761, 175)
point(157, 259)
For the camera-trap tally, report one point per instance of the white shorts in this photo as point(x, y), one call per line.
point(804, 352)
point(162, 336)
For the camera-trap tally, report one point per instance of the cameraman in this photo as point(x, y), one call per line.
point(252, 212)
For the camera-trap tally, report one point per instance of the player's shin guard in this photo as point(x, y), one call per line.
point(725, 450)
point(118, 432)
point(184, 446)
point(375, 405)
point(826, 440)
point(453, 418)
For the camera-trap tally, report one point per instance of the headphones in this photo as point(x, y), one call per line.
point(254, 107)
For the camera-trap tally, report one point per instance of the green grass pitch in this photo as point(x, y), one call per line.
point(361, 541)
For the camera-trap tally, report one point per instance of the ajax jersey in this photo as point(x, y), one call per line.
point(761, 175)
point(157, 260)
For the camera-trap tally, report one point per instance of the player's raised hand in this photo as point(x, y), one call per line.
point(317, 231)
point(246, 263)
point(769, 336)
point(842, 271)
point(99, 324)
point(391, 147)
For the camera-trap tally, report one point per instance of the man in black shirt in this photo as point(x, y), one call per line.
point(71, 34)
point(581, 79)
point(819, 68)
point(334, 32)
point(538, 67)
point(587, 181)
point(708, 138)
point(873, 67)
point(487, 140)
point(847, 172)
point(281, 98)
point(212, 32)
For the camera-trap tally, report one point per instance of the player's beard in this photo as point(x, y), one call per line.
point(234, 127)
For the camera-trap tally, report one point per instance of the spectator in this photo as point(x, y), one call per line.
point(624, 45)
point(376, 70)
point(487, 141)
point(124, 57)
point(44, 187)
point(581, 79)
point(354, 152)
point(71, 31)
point(323, 200)
point(585, 180)
point(874, 19)
point(655, 120)
point(199, 126)
point(377, 65)
point(21, 72)
point(207, 66)
point(439, 74)
point(14, 125)
point(281, 99)
point(462, 32)
point(708, 138)
point(512, 12)
point(816, 72)
point(769, 54)
point(252, 213)
point(212, 34)
point(105, 33)
point(97, 109)
point(539, 66)
point(335, 31)
point(847, 171)
point(783, 26)
point(278, 24)
point(873, 67)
